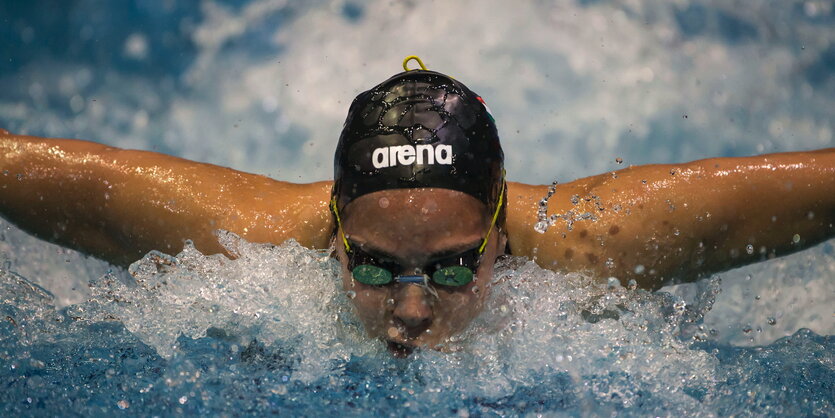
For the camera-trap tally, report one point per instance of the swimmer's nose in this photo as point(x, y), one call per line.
point(412, 313)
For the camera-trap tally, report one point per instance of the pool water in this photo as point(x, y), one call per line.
point(577, 88)
point(271, 332)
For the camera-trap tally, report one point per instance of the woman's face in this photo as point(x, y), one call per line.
point(411, 227)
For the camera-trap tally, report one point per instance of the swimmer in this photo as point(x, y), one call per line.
point(420, 209)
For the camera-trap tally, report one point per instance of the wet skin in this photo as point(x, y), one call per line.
point(409, 226)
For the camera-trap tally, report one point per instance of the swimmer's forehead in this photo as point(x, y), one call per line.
point(417, 203)
point(424, 221)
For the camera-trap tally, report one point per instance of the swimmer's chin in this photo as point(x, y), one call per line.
point(400, 350)
point(404, 349)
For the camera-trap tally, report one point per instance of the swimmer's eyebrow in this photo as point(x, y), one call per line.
point(437, 255)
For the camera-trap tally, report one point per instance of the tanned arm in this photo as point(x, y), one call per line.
point(663, 223)
point(119, 204)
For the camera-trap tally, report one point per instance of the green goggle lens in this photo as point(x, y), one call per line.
point(453, 276)
point(373, 275)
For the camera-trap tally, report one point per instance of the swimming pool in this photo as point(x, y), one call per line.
point(264, 85)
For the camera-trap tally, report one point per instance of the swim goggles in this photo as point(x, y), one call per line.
point(456, 270)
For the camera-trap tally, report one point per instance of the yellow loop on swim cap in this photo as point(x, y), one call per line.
point(413, 57)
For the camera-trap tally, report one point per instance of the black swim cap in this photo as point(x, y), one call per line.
point(419, 129)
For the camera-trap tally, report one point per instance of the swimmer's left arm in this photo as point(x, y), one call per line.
point(680, 222)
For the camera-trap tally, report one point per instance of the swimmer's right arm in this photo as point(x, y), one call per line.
point(118, 204)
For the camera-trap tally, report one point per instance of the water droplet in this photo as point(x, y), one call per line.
point(123, 404)
point(541, 227)
point(475, 289)
point(796, 238)
point(632, 285)
point(680, 306)
point(747, 328)
point(613, 282)
point(619, 160)
point(351, 294)
point(183, 400)
point(390, 302)
point(772, 321)
point(575, 199)
point(392, 332)
point(639, 269)
point(749, 249)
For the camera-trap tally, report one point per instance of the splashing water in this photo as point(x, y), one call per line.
point(271, 332)
point(570, 216)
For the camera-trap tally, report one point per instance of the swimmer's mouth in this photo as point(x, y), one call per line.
point(400, 350)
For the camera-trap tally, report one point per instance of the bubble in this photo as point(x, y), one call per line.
point(351, 294)
point(749, 249)
point(123, 404)
point(183, 400)
point(772, 321)
point(619, 160)
point(796, 238)
point(639, 269)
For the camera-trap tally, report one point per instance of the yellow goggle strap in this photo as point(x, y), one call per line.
point(339, 224)
point(495, 214)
